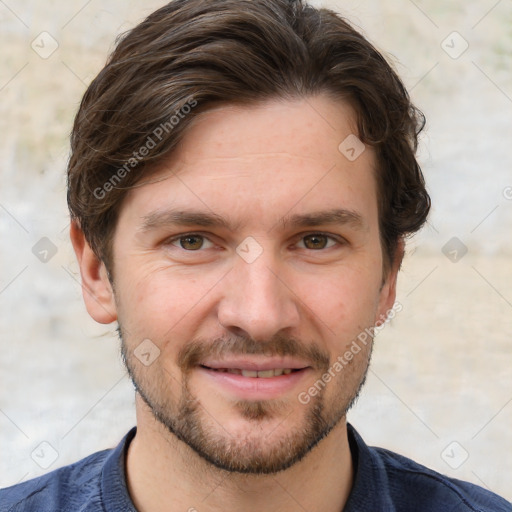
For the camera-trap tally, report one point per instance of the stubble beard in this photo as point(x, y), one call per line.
point(259, 451)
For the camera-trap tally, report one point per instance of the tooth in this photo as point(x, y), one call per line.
point(278, 371)
point(249, 373)
point(286, 371)
point(234, 370)
point(266, 373)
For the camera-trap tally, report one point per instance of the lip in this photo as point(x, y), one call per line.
point(255, 388)
point(256, 363)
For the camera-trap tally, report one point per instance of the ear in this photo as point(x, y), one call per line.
point(388, 289)
point(96, 287)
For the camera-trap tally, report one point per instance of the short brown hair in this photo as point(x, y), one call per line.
point(190, 56)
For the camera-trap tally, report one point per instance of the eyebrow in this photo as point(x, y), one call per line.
point(165, 218)
point(340, 216)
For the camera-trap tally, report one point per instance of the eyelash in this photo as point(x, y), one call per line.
point(338, 240)
point(185, 235)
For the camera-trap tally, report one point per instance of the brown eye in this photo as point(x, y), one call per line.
point(316, 241)
point(191, 242)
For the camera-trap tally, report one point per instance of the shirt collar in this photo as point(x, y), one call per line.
point(370, 487)
point(114, 490)
point(369, 490)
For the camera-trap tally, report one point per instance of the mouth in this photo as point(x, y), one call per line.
point(261, 374)
point(254, 378)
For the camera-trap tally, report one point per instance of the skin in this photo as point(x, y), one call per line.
point(254, 166)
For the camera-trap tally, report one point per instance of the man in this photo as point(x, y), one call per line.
point(241, 183)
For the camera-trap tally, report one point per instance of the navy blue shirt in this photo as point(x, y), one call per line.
point(384, 482)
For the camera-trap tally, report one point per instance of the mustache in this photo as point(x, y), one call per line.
point(200, 349)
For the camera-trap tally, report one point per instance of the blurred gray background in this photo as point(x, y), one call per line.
point(440, 388)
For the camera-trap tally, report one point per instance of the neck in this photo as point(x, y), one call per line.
point(165, 474)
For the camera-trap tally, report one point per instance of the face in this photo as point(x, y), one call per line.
point(244, 270)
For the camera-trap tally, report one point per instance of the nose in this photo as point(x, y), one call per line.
point(256, 301)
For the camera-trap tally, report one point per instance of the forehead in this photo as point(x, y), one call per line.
point(263, 162)
point(300, 128)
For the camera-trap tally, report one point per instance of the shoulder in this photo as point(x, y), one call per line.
point(385, 480)
point(71, 488)
point(432, 491)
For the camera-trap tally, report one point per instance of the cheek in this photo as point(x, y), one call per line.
point(343, 304)
point(162, 303)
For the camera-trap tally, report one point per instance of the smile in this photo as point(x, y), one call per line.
point(262, 374)
point(250, 378)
